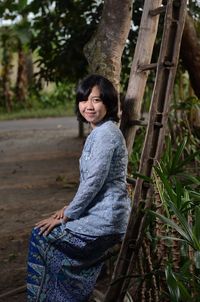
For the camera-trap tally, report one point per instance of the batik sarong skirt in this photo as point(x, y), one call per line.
point(64, 266)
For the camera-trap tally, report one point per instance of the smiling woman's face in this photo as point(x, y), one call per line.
point(93, 109)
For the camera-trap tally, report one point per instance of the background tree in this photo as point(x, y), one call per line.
point(105, 48)
point(60, 31)
point(24, 73)
point(19, 35)
point(7, 45)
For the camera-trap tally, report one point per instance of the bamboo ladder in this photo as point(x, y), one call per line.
point(175, 12)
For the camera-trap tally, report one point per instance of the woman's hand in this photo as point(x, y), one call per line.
point(59, 214)
point(47, 225)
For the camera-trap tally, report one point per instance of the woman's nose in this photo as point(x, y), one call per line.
point(90, 104)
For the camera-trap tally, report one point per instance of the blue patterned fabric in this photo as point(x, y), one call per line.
point(64, 266)
point(101, 205)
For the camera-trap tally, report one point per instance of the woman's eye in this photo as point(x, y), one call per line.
point(96, 100)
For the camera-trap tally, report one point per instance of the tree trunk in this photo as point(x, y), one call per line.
point(6, 81)
point(190, 53)
point(138, 78)
point(21, 84)
point(29, 68)
point(105, 48)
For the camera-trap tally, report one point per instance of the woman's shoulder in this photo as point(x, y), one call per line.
point(108, 130)
point(107, 127)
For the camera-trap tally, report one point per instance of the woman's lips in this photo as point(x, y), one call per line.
point(90, 113)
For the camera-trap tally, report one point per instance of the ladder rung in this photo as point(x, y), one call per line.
point(168, 64)
point(157, 11)
point(175, 21)
point(158, 125)
point(137, 123)
point(131, 244)
point(158, 121)
point(130, 180)
point(145, 67)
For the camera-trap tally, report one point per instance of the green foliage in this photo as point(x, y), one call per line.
point(176, 228)
point(59, 97)
point(194, 7)
point(16, 32)
point(179, 195)
point(177, 290)
point(9, 10)
point(189, 234)
point(62, 95)
point(174, 161)
point(61, 29)
point(191, 102)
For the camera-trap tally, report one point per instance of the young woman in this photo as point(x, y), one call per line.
point(64, 253)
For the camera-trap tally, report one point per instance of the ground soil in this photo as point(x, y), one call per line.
point(38, 175)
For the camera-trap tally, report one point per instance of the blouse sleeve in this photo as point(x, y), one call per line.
point(98, 166)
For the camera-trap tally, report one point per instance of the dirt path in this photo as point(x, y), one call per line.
point(38, 174)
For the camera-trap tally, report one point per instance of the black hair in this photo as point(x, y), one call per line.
point(108, 95)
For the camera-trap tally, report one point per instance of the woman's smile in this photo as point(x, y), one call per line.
point(89, 116)
point(90, 113)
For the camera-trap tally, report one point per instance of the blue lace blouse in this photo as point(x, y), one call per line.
point(101, 205)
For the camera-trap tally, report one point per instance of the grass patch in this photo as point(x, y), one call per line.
point(37, 113)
